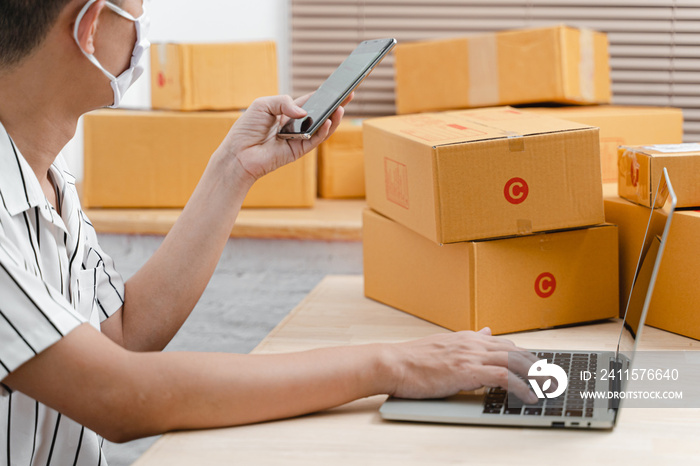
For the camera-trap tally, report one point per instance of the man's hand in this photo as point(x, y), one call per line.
point(442, 365)
point(181, 268)
point(134, 395)
point(253, 138)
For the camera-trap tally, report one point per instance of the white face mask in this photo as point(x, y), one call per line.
point(121, 83)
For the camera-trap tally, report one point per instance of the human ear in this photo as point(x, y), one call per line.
point(88, 27)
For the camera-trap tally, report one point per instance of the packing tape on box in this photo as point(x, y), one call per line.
point(483, 71)
point(162, 54)
point(524, 226)
point(516, 141)
point(587, 65)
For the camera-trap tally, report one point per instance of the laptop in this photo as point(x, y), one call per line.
point(561, 404)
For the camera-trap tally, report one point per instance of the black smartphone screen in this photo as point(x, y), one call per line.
point(338, 86)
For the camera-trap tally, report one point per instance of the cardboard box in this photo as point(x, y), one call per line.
point(513, 284)
point(623, 126)
point(460, 176)
point(226, 76)
point(553, 64)
point(155, 159)
point(632, 220)
point(676, 294)
point(676, 299)
point(641, 168)
point(341, 163)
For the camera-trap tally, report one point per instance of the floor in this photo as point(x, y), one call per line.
point(256, 283)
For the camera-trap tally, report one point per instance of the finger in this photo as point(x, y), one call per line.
point(511, 360)
point(499, 343)
point(321, 134)
point(328, 127)
point(485, 331)
point(503, 344)
point(520, 358)
point(519, 363)
point(335, 120)
point(528, 354)
point(281, 105)
point(348, 99)
point(495, 376)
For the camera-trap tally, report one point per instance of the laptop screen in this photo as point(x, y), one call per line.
point(648, 265)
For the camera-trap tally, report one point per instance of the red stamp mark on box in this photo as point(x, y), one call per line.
point(396, 182)
point(516, 190)
point(434, 130)
point(634, 172)
point(496, 115)
point(545, 285)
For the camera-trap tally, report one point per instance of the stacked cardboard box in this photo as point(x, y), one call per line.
point(553, 64)
point(226, 76)
point(143, 159)
point(676, 294)
point(549, 65)
point(341, 161)
point(341, 164)
point(488, 218)
point(641, 168)
point(623, 126)
point(139, 159)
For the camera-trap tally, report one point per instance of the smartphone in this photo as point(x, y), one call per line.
point(337, 88)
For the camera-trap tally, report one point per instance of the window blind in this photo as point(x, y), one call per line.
point(654, 44)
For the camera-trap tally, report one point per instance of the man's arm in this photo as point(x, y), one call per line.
point(125, 395)
point(161, 295)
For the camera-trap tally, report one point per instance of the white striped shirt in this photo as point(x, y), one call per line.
point(53, 277)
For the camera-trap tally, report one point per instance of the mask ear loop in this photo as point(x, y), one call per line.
point(79, 19)
point(121, 12)
point(89, 56)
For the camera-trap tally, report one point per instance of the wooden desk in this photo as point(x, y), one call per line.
point(336, 313)
point(332, 220)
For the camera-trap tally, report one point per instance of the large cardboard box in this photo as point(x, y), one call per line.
point(225, 76)
point(676, 299)
point(460, 176)
point(623, 126)
point(341, 163)
point(632, 220)
point(553, 64)
point(676, 294)
point(155, 159)
point(513, 284)
point(641, 168)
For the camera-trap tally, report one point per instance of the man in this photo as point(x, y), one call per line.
point(80, 352)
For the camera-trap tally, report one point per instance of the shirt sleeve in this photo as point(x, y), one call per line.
point(109, 284)
point(33, 315)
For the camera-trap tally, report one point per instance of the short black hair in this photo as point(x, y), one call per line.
point(24, 24)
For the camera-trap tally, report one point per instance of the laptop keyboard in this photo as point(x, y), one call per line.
point(568, 404)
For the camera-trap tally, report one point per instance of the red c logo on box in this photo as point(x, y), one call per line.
point(545, 285)
point(161, 79)
point(516, 190)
